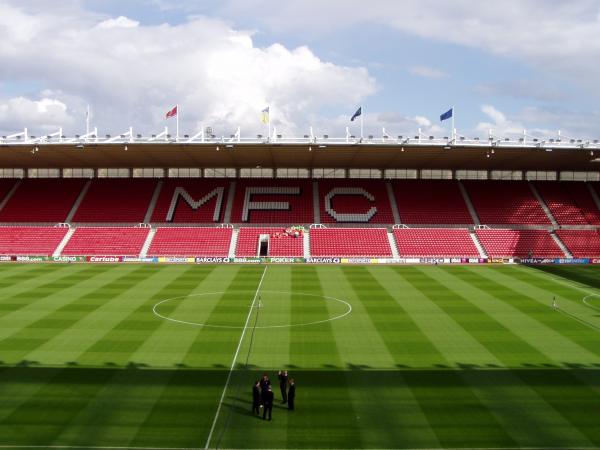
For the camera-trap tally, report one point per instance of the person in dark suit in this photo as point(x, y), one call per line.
point(268, 403)
point(256, 397)
point(283, 382)
point(291, 397)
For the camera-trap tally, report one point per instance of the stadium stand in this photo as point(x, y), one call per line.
point(435, 242)
point(430, 202)
point(187, 241)
point(505, 203)
point(518, 243)
point(569, 202)
point(350, 242)
point(581, 243)
point(282, 242)
point(42, 200)
point(116, 200)
point(268, 201)
point(106, 241)
point(354, 201)
point(191, 201)
point(39, 241)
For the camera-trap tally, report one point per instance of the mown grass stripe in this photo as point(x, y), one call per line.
point(498, 339)
point(554, 324)
point(397, 329)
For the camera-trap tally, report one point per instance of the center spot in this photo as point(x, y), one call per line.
point(273, 309)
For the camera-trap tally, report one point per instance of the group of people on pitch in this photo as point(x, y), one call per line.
point(263, 397)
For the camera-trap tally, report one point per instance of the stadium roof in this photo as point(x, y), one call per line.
point(377, 153)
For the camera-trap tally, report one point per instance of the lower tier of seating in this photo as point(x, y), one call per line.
point(39, 241)
point(187, 241)
point(350, 242)
point(519, 243)
point(106, 241)
point(281, 242)
point(435, 242)
point(581, 243)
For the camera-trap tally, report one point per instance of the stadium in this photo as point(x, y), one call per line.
point(250, 224)
point(424, 293)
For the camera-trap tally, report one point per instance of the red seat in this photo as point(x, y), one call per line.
point(188, 241)
point(354, 201)
point(350, 242)
point(106, 241)
point(519, 243)
point(581, 243)
point(38, 241)
point(435, 242)
point(281, 243)
point(569, 202)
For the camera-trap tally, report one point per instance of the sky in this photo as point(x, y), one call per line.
point(504, 66)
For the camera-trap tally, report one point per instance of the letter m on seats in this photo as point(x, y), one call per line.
point(195, 204)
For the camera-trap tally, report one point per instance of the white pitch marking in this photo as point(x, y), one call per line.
point(197, 324)
point(237, 351)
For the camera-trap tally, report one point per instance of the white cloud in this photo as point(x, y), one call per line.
point(46, 114)
point(132, 74)
point(119, 22)
point(427, 72)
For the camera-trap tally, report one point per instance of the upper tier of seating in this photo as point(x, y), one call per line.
point(350, 242)
point(42, 200)
point(505, 202)
point(431, 202)
point(581, 243)
point(6, 184)
point(569, 202)
point(39, 241)
point(106, 241)
point(435, 242)
point(116, 200)
point(282, 242)
point(183, 200)
point(519, 243)
point(183, 241)
point(271, 201)
point(354, 201)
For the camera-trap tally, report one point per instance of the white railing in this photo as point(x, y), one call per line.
point(129, 137)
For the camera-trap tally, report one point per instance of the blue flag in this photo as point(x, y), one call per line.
point(446, 115)
point(356, 114)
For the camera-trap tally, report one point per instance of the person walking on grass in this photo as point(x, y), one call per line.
point(268, 403)
point(283, 383)
point(554, 303)
point(256, 398)
point(291, 397)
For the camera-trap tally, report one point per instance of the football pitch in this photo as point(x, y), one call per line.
point(410, 357)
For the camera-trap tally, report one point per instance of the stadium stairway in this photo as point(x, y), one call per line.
point(542, 203)
point(392, 240)
point(594, 195)
point(393, 204)
point(316, 204)
point(469, 203)
point(234, 239)
point(152, 205)
point(229, 204)
point(561, 244)
point(480, 249)
point(147, 242)
point(78, 201)
point(10, 194)
point(306, 244)
point(64, 242)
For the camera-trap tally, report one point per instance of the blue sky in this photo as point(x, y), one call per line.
point(519, 64)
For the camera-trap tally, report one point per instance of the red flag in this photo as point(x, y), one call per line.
point(172, 113)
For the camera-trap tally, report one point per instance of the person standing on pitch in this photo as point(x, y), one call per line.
point(554, 304)
point(283, 382)
point(256, 397)
point(291, 397)
point(268, 402)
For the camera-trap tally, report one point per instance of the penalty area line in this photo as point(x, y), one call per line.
point(237, 351)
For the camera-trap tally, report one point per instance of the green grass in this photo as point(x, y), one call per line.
point(429, 357)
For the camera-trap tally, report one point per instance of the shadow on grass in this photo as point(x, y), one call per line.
point(589, 275)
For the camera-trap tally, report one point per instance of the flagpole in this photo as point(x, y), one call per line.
point(361, 123)
point(87, 120)
point(269, 123)
point(177, 123)
point(453, 129)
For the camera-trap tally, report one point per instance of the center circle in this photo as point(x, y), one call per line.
point(590, 297)
point(346, 308)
